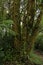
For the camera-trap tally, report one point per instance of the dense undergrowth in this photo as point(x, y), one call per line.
point(8, 52)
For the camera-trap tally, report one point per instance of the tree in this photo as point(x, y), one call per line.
point(33, 24)
point(30, 24)
point(16, 18)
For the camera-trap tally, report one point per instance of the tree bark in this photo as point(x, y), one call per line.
point(32, 31)
point(30, 21)
point(16, 18)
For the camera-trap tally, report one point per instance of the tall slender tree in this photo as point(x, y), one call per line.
point(16, 18)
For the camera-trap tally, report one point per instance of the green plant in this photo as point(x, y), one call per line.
point(6, 41)
point(39, 42)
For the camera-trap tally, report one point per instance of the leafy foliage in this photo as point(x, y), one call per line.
point(6, 46)
point(36, 59)
point(39, 42)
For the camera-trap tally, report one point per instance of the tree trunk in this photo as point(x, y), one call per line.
point(32, 30)
point(30, 21)
point(16, 18)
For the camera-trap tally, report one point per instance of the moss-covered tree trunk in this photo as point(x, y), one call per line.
point(32, 29)
point(30, 21)
point(16, 18)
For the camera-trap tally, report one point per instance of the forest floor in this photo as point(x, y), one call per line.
point(36, 57)
point(39, 53)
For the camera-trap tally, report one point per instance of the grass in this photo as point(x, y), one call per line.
point(36, 59)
